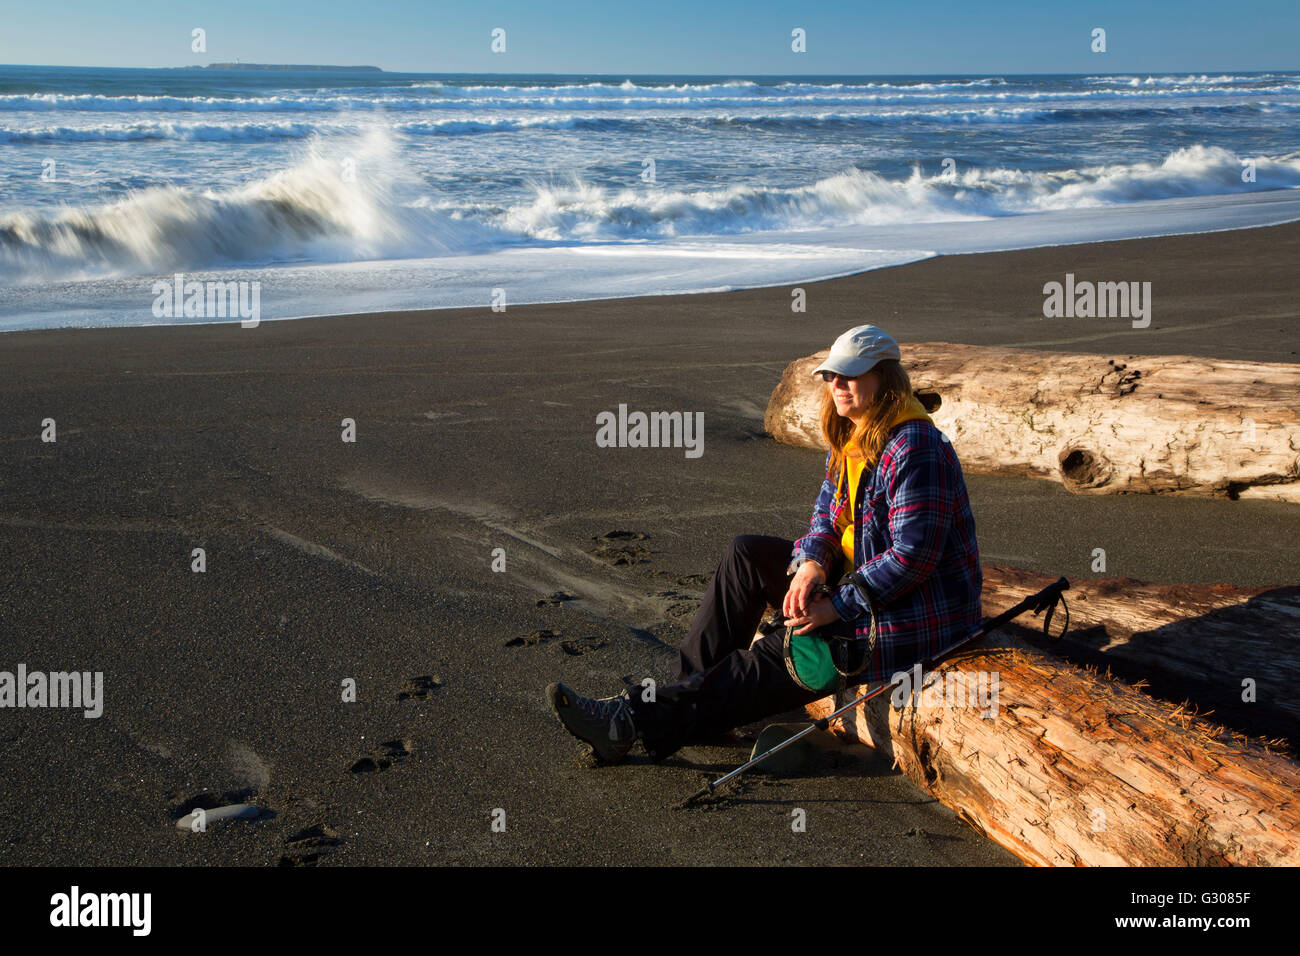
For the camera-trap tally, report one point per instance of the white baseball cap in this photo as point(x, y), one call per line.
point(858, 350)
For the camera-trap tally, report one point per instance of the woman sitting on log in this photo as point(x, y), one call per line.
point(892, 526)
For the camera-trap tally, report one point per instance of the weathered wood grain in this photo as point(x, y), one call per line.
point(1172, 424)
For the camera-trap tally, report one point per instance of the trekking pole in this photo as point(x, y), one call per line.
point(1046, 599)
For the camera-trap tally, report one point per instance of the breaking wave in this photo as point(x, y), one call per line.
point(315, 211)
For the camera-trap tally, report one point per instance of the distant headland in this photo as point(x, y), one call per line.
point(298, 67)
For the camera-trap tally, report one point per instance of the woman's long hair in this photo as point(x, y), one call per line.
point(868, 439)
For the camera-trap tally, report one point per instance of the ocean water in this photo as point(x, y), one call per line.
point(343, 192)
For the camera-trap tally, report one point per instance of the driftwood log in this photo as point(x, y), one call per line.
point(1208, 644)
point(1171, 424)
point(1065, 765)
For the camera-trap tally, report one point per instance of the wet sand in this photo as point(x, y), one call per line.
point(372, 561)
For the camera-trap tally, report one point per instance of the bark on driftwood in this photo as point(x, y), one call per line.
point(1065, 765)
point(1170, 424)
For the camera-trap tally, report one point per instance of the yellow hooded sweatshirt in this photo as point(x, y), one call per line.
point(912, 412)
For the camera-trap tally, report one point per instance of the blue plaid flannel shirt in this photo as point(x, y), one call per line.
point(914, 538)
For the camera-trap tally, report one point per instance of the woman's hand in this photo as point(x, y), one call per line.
point(820, 613)
point(799, 596)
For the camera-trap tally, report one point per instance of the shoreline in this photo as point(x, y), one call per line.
point(283, 269)
point(1255, 252)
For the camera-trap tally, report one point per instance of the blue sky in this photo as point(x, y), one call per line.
point(665, 36)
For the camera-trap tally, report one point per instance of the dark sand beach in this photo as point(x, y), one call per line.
point(373, 560)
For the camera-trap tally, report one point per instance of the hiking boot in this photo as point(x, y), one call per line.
point(605, 723)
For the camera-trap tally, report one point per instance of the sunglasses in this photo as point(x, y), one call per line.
point(829, 377)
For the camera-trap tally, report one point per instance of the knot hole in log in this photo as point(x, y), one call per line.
point(930, 401)
point(1083, 468)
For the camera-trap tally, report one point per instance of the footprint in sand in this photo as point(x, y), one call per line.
point(533, 639)
point(419, 688)
point(389, 753)
point(306, 847)
point(613, 548)
point(571, 647)
point(578, 648)
point(555, 598)
point(678, 605)
point(684, 611)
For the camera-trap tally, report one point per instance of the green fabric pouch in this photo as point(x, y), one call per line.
point(823, 662)
point(808, 660)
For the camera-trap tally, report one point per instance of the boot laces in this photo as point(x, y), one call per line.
point(601, 708)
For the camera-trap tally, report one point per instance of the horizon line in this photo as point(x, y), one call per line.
point(73, 66)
